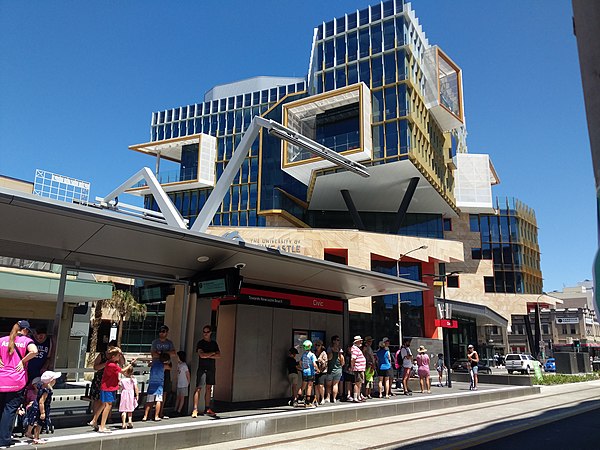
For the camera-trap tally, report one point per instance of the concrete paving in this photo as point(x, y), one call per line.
point(182, 432)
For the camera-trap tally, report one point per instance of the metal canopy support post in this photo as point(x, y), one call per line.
point(408, 195)
point(241, 151)
point(166, 206)
point(358, 223)
point(184, 317)
point(60, 301)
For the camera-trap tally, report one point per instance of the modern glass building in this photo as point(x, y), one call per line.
point(379, 93)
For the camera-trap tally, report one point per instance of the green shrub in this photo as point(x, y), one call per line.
point(561, 378)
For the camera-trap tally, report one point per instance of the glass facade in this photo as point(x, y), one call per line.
point(509, 239)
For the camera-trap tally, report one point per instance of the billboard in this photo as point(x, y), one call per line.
point(59, 187)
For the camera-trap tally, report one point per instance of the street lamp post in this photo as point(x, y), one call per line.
point(422, 247)
point(447, 315)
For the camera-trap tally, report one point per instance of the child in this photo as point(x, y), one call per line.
point(369, 375)
point(440, 366)
point(292, 368)
point(108, 387)
point(30, 397)
point(183, 382)
point(155, 386)
point(309, 368)
point(129, 398)
point(39, 412)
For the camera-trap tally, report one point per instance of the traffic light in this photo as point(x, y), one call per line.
point(576, 344)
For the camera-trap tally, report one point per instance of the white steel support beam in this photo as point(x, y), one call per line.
point(241, 151)
point(166, 206)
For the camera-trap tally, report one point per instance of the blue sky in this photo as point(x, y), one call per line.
point(79, 82)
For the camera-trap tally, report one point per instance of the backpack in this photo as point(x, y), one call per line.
point(398, 358)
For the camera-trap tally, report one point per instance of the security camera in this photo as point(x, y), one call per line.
point(240, 265)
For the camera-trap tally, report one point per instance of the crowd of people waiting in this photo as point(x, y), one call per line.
point(327, 375)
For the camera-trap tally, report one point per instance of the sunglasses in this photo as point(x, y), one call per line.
point(206, 331)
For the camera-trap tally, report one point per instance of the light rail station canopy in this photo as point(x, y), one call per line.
point(106, 241)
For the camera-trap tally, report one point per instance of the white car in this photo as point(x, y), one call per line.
point(520, 362)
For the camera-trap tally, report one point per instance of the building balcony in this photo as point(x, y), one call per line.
point(196, 155)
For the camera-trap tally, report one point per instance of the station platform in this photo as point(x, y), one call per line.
point(185, 432)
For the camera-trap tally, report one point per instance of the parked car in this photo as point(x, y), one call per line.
point(521, 362)
point(550, 365)
point(463, 365)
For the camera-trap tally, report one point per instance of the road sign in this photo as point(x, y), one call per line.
point(446, 323)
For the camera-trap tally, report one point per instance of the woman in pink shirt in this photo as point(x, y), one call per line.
point(15, 351)
point(423, 369)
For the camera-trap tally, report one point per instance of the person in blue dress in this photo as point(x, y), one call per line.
point(39, 414)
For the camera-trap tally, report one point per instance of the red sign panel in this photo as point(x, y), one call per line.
point(285, 299)
point(446, 323)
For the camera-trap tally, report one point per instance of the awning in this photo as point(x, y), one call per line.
point(100, 240)
point(480, 312)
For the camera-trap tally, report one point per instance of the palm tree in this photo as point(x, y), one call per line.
point(126, 307)
point(95, 326)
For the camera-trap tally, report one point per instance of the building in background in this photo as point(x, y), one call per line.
point(378, 92)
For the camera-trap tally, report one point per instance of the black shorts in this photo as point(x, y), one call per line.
point(385, 373)
point(308, 378)
point(205, 377)
point(349, 377)
point(320, 378)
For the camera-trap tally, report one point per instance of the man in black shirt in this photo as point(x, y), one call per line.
point(208, 351)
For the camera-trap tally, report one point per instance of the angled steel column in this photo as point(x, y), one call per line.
point(60, 301)
point(408, 195)
point(358, 223)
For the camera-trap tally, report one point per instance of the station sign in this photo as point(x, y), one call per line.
point(289, 300)
point(561, 320)
point(446, 323)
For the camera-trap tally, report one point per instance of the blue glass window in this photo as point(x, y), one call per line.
point(239, 101)
point(329, 29)
point(400, 60)
point(340, 49)
point(474, 223)
point(235, 198)
point(364, 42)
point(388, 8)
point(375, 12)
point(329, 82)
point(352, 46)
point(161, 132)
point(168, 131)
point(391, 139)
point(404, 136)
point(376, 38)
point(184, 112)
point(176, 114)
point(390, 103)
point(198, 125)
point(475, 253)
point(320, 32)
point(400, 31)
point(340, 77)
point(169, 115)
point(365, 72)
point(363, 16)
point(377, 105)
point(182, 128)
point(377, 71)
point(253, 196)
point(352, 73)
point(319, 57)
point(175, 130)
point(390, 67)
point(244, 197)
point(402, 101)
point(389, 35)
point(352, 21)
point(329, 50)
point(340, 25)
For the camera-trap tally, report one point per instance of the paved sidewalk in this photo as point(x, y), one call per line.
point(450, 428)
point(230, 426)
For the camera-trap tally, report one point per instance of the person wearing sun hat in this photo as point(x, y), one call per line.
point(16, 350)
point(358, 365)
point(423, 369)
point(39, 413)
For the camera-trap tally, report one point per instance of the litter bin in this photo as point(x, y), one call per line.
point(596, 366)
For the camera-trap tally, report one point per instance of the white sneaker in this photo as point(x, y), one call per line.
point(326, 400)
point(322, 402)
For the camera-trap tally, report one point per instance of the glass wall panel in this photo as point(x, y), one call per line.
point(377, 104)
point(389, 35)
point(363, 16)
point(378, 140)
point(352, 21)
point(376, 38)
point(340, 50)
point(390, 103)
point(376, 71)
point(391, 139)
point(352, 73)
point(340, 77)
point(352, 46)
point(390, 67)
point(319, 52)
point(329, 82)
point(364, 42)
point(329, 53)
point(365, 72)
